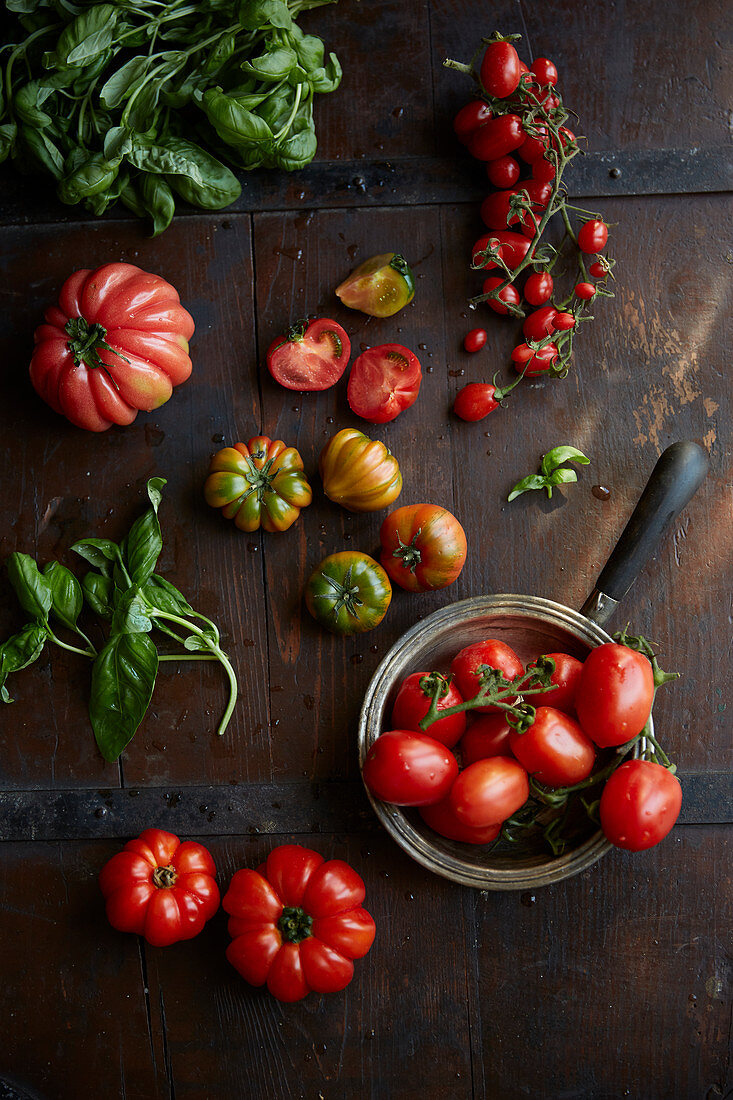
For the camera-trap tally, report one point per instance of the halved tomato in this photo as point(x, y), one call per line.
point(380, 286)
point(384, 381)
point(312, 356)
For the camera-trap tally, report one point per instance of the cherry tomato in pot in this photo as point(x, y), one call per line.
point(566, 677)
point(488, 735)
point(475, 401)
point(441, 818)
point(116, 343)
point(413, 703)
point(500, 70)
point(297, 923)
point(508, 294)
point(503, 172)
point(592, 236)
point(160, 888)
point(348, 593)
point(359, 473)
point(469, 118)
point(614, 695)
point(640, 803)
point(489, 791)
point(423, 547)
point(384, 381)
point(379, 287)
point(468, 665)
point(312, 356)
point(409, 769)
point(554, 749)
point(538, 288)
point(474, 340)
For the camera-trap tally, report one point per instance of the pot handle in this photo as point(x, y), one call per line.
point(675, 479)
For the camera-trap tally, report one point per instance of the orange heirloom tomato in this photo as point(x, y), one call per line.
point(258, 483)
point(423, 547)
point(116, 343)
point(359, 473)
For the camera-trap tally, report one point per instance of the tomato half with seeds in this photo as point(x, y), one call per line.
point(380, 287)
point(423, 547)
point(348, 593)
point(442, 819)
point(409, 769)
point(554, 749)
point(615, 693)
point(312, 356)
point(639, 805)
point(384, 381)
point(413, 703)
point(469, 665)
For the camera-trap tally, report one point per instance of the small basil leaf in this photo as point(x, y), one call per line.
point(66, 593)
point(99, 553)
point(559, 477)
point(166, 597)
point(43, 151)
point(273, 66)
point(99, 592)
point(144, 542)
point(87, 36)
point(92, 178)
point(326, 79)
point(558, 455)
point(31, 587)
point(8, 134)
point(123, 678)
point(234, 123)
point(131, 614)
point(194, 643)
point(19, 651)
point(255, 14)
point(117, 142)
point(309, 49)
point(158, 202)
point(533, 481)
point(123, 82)
point(27, 104)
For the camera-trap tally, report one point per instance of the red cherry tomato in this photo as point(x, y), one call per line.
point(534, 146)
point(599, 269)
point(508, 294)
point(489, 791)
point(496, 138)
point(413, 703)
point(503, 172)
point(544, 70)
point(470, 117)
point(409, 769)
point(585, 291)
point(500, 70)
point(466, 666)
point(539, 324)
point(543, 171)
point(512, 247)
point(442, 819)
point(475, 401)
point(488, 735)
point(567, 137)
point(384, 381)
point(474, 340)
point(615, 693)
point(538, 288)
point(639, 805)
point(554, 749)
point(564, 321)
point(566, 677)
point(160, 888)
point(312, 356)
point(496, 211)
point(592, 236)
point(534, 362)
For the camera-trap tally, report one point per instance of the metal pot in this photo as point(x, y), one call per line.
point(530, 625)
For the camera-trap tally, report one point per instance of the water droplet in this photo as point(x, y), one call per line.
point(218, 437)
point(423, 347)
point(601, 492)
point(527, 899)
point(356, 658)
point(252, 547)
point(398, 112)
point(330, 419)
point(363, 346)
point(456, 373)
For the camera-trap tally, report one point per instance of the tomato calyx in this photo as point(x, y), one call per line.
point(260, 479)
point(346, 595)
point(436, 685)
point(408, 553)
point(164, 877)
point(295, 925)
point(496, 691)
point(85, 340)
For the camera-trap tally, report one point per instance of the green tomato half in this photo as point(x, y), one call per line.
point(348, 593)
point(380, 286)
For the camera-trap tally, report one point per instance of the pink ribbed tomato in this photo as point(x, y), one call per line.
point(116, 343)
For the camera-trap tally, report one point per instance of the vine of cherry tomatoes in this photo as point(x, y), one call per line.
point(515, 124)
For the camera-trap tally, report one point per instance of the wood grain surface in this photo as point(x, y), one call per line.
point(614, 983)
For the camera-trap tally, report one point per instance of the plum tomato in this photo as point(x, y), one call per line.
point(503, 172)
point(592, 236)
point(564, 321)
point(544, 70)
point(489, 791)
point(409, 769)
point(488, 735)
point(538, 288)
point(532, 362)
point(500, 70)
point(423, 547)
point(508, 294)
point(384, 381)
point(474, 340)
point(413, 702)
point(639, 805)
point(585, 291)
point(379, 287)
point(496, 138)
point(467, 667)
point(469, 118)
point(496, 211)
point(599, 269)
point(442, 819)
point(312, 356)
point(475, 401)
point(540, 323)
point(534, 145)
point(554, 749)
point(512, 248)
point(543, 171)
point(566, 678)
point(615, 693)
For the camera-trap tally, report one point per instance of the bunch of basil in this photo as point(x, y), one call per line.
point(106, 98)
point(123, 589)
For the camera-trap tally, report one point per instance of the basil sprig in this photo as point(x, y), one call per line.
point(138, 102)
point(122, 589)
point(552, 471)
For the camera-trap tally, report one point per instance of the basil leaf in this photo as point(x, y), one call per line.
point(8, 134)
point(19, 651)
point(326, 79)
point(234, 123)
point(93, 177)
point(166, 597)
point(123, 678)
point(123, 82)
point(309, 49)
point(99, 553)
point(273, 66)
point(533, 481)
point(559, 477)
point(99, 593)
point(558, 455)
point(87, 36)
point(254, 14)
point(117, 143)
point(298, 149)
point(158, 202)
point(66, 595)
point(31, 587)
point(195, 643)
point(144, 542)
point(220, 53)
point(44, 151)
point(195, 174)
point(131, 615)
point(27, 104)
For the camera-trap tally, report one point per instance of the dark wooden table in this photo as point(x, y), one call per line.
point(615, 983)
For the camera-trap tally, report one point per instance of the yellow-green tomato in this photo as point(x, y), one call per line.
point(258, 483)
point(380, 286)
point(348, 593)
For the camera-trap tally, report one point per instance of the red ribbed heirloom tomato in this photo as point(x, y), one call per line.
point(423, 547)
point(160, 888)
point(116, 343)
point(297, 923)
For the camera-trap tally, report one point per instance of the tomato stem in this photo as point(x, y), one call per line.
point(295, 925)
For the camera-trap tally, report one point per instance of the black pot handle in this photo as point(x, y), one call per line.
point(675, 479)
